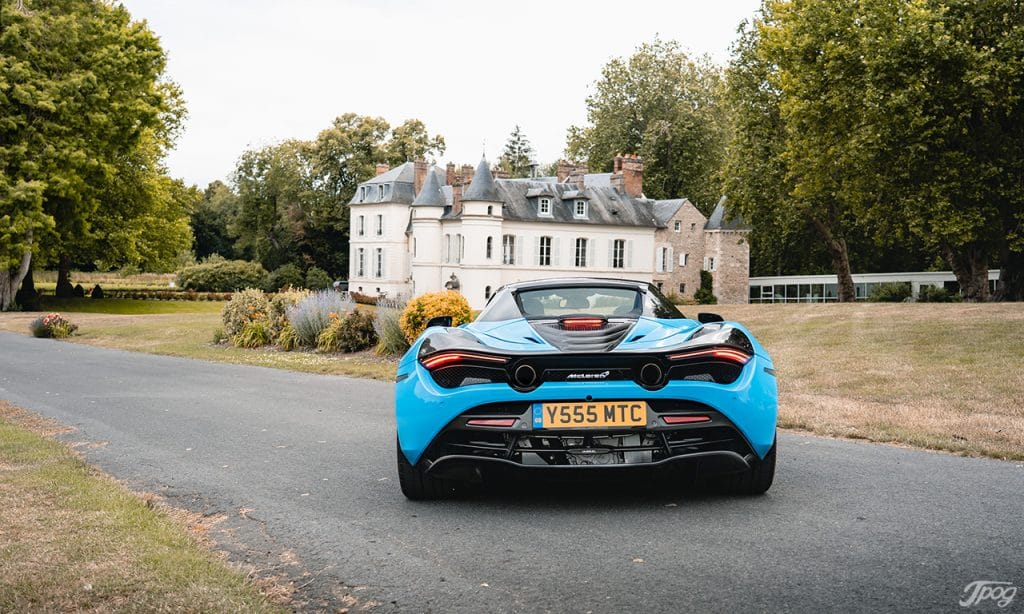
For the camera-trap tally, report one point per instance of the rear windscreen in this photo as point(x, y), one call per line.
point(557, 302)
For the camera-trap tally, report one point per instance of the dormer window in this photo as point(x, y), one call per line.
point(580, 209)
point(362, 193)
point(544, 207)
point(380, 192)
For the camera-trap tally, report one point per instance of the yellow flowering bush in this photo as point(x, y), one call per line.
point(421, 309)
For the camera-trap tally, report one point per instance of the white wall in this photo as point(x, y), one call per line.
point(393, 278)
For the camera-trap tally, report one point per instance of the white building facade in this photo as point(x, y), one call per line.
point(417, 229)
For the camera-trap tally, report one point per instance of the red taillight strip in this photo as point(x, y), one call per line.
point(447, 358)
point(505, 422)
point(685, 419)
point(721, 353)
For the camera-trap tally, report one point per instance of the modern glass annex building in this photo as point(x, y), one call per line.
point(823, 288)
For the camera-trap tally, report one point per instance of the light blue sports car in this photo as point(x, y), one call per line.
point(584, 375)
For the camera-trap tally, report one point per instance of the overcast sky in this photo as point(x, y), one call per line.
point(256, 72)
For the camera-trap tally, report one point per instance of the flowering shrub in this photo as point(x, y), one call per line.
point(313, 314)
point(52, 325)
point(421, 309)
point(349, 333)
point(244, 307)
point(286, 339)
point(390, 338)
point(280, 303)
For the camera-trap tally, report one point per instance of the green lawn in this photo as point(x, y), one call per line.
point(186, 328)
point(72, 539)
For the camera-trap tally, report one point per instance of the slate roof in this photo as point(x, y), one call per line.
point(401, 180)
point(430, 194)
point(482, 186)
point(665, 210)
point(719, 221)
point(606, 206)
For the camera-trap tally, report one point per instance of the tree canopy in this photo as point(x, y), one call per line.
point(293, 196)
point(86, 116)
point(665, 106)
point(517, 158)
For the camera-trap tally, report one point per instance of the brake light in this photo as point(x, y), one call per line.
point(582, 323)
point(729, 354)
point(685, 419)
point(450, 358)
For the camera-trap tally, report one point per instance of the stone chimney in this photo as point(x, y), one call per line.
point(628, 175)
point(382, 168)
point(450, 174)
point(500, 174)
point(563, 170)
point(420, 168)
point(577, 176)
point(459, 180)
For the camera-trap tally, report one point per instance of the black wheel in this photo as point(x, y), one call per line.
point(419, 486)
point(758, 479)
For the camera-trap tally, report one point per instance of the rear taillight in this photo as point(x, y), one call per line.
point(727, 354)
point(577, 324)
point(447, 359)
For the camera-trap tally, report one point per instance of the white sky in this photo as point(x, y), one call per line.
point(256, 72)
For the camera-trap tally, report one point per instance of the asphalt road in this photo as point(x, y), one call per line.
point(302, 468)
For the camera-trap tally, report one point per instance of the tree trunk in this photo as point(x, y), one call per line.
point(970, 265)
point(64, 287)
point(27, 297)
point(840, 262)
point(1010, 286)
point(10, 279)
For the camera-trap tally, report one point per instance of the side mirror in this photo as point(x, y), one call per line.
point(705, 317)
point(442, 321)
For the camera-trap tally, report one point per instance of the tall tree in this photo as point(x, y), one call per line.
point(665, 106)
point(293, 197)
point(211, 219)
point(85, 116)
point(517, 158)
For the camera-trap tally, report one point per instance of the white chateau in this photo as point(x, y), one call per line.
point(417, 228)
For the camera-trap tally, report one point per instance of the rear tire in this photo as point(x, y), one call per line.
point(417, 485)
point(758, 479)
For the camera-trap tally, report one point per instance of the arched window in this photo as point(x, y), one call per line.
point(490, 247)
point(490, 211)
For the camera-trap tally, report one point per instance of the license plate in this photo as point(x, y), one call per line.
point(594, 414)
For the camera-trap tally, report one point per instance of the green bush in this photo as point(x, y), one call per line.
point(253, 335)
point(286, 276)
point(933, 294)
point(318, 279)
point(705, 296)
point(223, 276)
point(244, 307)
point(219, 336)
point(891, 293)
point(350, 333)
point(391, 340)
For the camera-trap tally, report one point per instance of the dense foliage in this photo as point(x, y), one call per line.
point(86, 116)
point(665, 106)
point(218, 275)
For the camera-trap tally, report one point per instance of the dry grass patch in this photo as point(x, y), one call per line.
point(72, 539)
point(941, 376)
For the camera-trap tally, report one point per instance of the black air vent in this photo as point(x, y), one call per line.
point(601, 340)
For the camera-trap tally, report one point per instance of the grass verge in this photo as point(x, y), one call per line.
point(72, 539)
